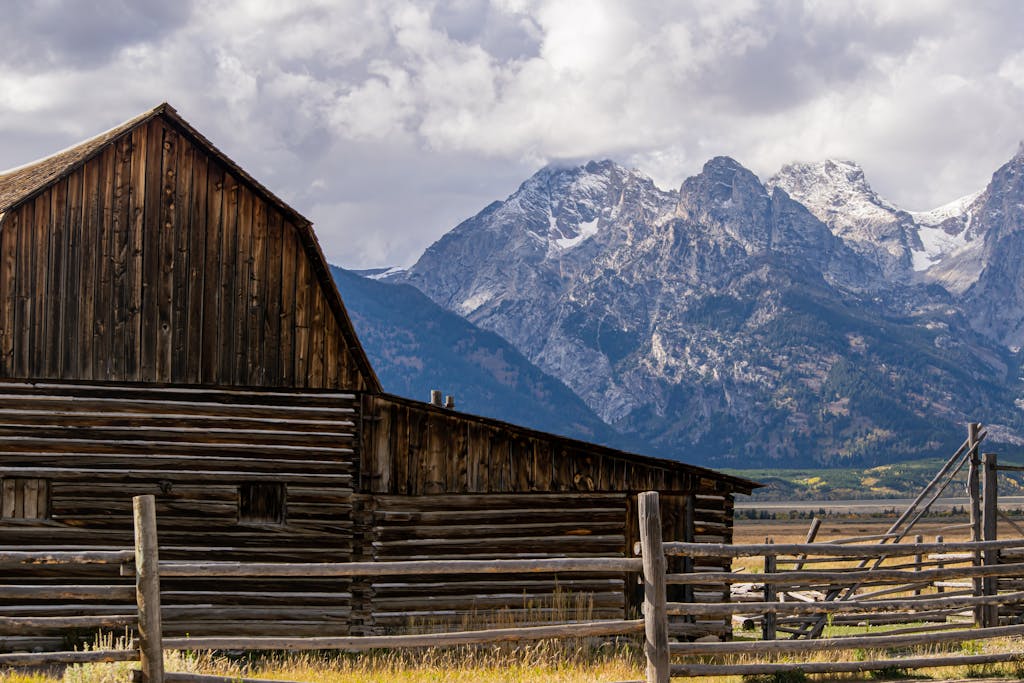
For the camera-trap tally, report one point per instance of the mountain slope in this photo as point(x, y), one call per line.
point(415, 346)
point(724, 321)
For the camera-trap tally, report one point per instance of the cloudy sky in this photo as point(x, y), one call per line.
point(388, 122)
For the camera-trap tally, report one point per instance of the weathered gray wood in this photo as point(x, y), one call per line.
point(849, 643)
point(655, 618)
point(65, 592)
point(930, 661)
point(42, 658)
point(804, 577)
point(147, 581)
point(990, 520)
point(974, 492)
point(768, 623)
point(869, 551)
point(84, 557)
point(584, 629)
point(414, 567)
point(869, 607)
point(21, 624)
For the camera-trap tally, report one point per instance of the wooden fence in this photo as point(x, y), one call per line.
point(892, 590)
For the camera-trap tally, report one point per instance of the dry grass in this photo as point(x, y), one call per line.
point(526, 663)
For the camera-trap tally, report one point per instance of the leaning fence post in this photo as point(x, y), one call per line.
point(990, 510)
point(655, 610)
point(147, 589)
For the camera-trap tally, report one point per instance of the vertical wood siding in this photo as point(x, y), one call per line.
point(153, 262)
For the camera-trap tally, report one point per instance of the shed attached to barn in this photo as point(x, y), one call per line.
point(169, 326)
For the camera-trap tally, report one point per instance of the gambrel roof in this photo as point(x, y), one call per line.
point(23, 183)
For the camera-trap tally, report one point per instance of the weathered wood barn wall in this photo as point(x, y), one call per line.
point(168, 326)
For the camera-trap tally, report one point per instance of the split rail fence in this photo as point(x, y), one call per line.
point(891, 590)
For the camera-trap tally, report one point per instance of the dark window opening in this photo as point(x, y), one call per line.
point(24, 499)
point(261, 503)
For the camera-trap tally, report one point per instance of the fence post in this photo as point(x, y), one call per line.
point(771, 594)
point(655, 610)
point(940, 565)
point(990, 532)
point(974, 491)
point(918, 558)
point(147, 589)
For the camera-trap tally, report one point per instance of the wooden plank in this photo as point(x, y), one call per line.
point(317, 335)
point(879, 641)
point(289, 271)
point(163, 284)
point(8, 557)
point(135, 258)
point(7, 498)
point(578, 630)
point(931, 661)
point(91, 261)
point(102, 297)
point(834, 550)
point(71, 338)
point(271, 351)
point(303, 314)
point(30, 498)
point(9, 228)
point(38, 304)
point(56, 292)
point(229, 248)
point(243, 277)
point(122, 259)
point(152, 231)
point(332, 361)
point(43, 658)
point(500, 474)
point(181, 215)
point(199, 229)
point(169, 569)
point(257, 302)
point(432, 470)
point(212, 274)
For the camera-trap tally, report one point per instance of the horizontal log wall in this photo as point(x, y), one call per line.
point(155, 262)
point(495, 527)
point(98, 446)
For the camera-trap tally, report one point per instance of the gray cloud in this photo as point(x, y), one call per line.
point(46, 34)
point(388, 122)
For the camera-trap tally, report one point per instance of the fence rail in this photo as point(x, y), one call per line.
point(795, 598)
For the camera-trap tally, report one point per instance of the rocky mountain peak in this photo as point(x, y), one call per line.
point(838, 193)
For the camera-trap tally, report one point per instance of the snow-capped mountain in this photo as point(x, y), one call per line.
point(796, 320)
point(837, 193)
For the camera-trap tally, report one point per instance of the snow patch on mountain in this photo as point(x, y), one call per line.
point(937, 245)
point(586, 231)
point(954, 209)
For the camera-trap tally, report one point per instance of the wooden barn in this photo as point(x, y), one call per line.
point(169, 326)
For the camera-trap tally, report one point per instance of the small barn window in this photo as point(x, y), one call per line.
point(261, 503)
point(24, 499)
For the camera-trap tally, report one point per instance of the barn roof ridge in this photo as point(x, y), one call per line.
point(26, 181)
